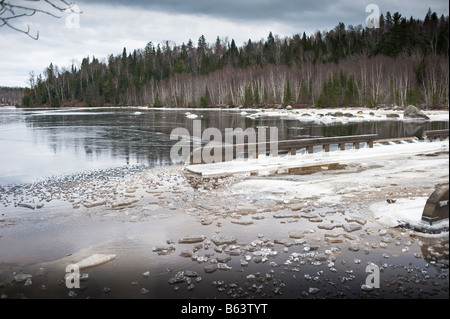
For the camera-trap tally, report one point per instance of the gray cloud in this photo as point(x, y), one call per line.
point(231, 9)
point(285, 10)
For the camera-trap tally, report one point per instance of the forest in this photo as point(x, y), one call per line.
point(403, 62)
point(10, 96)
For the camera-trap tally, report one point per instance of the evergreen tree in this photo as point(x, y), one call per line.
point(256, 98)
point(287, 96)
point(178, 73)
point(157, 102)
point(205, 100)
point(248, 97)
point(180, 67)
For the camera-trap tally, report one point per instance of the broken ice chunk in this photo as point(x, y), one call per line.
point(192, 239)
point(351, 227)
point(95, 260)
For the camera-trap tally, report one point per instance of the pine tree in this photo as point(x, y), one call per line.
point(248, 97)
point(287, 96)
point(180, 67)
point(256, 98)
point(157, 102)
point(350, 93)
point(205, 100)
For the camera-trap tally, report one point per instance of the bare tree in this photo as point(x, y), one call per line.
point(10, 12)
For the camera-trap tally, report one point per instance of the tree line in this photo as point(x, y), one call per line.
point(405, 61)
point(10, 96)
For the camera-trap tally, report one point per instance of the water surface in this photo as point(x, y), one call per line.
point(40, 143)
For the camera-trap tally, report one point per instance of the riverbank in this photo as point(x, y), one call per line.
point(268, 236)
point(304, 113)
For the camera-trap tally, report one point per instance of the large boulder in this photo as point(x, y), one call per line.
point(413, 112)
point(437, 206)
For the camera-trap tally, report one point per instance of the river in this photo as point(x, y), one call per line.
point(40, 143)
point(80, 182)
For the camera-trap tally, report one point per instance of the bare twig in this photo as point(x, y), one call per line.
point(11, 12)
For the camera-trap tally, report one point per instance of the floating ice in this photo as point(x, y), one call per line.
point(223, 240)
point(202, 259)
point(351, 227)
point(320, 257)
point(210, 268)
point(192, 239)
point(313, 291)
point(22, 277)
point(366, 287)
point(143, 291)
point(28, 282)
point(95, 260)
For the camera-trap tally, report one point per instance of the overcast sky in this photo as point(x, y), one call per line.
point(106, 27)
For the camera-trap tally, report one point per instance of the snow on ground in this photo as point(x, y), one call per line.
point(269, 165)
point(328, 116)
point(405, 209)
point(406, 172)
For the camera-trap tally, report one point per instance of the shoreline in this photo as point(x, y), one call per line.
point(311, 114)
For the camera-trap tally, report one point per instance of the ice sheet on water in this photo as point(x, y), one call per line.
point(223, 240)
point(192, 239)
point(22, 277)
point(95, 260)
point(211, 268)
point(351, 227)
point(313, 290)
point(90, 188)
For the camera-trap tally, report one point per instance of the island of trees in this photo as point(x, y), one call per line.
point(403, 62)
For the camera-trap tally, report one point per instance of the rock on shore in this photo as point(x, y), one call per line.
point(413, 112)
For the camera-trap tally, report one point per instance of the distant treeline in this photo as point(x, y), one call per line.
point(10, 96)
point(405, 61)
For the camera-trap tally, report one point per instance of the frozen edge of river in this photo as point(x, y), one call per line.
point(390, 215)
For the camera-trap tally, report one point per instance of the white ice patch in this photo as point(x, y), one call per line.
point(327, 116)
point(191, 116)
point(282, 188)
point(95, 260)
point(408, 210)
point(385, 154)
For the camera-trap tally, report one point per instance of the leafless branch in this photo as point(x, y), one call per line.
point(13, 11)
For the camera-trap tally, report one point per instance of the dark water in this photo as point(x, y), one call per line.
point(47, 142)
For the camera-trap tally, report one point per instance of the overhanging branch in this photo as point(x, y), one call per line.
point(11, 12)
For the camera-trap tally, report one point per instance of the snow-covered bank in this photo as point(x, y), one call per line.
point(367, 177)
point(328, 116)
point(269, 165)
point(406, 211)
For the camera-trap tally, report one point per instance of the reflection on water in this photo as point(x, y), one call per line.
point(46, 142)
